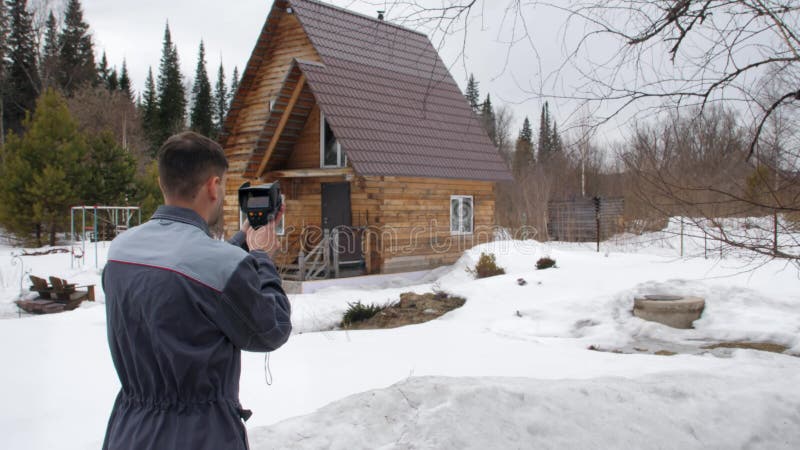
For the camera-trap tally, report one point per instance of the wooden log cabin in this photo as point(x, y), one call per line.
point(378, 153)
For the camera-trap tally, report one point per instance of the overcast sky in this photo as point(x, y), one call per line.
point(134, 30)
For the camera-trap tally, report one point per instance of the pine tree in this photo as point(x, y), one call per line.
point(202, 113)
point(220, 101)
point(23, 83)
point(44, 173)
point(234, 86)
point(171, 93)
point(488, 119)
point(77, 51)
point(110, 171)
point(125, 81)
point(148, 194)
point(149, 112)
point(473, 96)
point(49, 59)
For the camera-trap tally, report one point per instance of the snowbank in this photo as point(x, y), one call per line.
point(679, 410)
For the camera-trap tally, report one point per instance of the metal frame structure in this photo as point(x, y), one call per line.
point(126, 212)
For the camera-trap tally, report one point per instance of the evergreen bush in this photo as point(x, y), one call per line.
point(359, 312)
point(486, 267)
point(545, 263)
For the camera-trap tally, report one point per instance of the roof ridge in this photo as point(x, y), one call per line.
point(358, 14)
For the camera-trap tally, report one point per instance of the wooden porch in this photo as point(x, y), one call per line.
point(307, 260)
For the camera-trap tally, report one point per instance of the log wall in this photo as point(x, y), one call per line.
point(288, 42)
point(407, 219)
point(412, 228)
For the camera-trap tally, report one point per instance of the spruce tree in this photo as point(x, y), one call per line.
point(523, 154)
point(545, 134)
point(103, 70)
point(202, 113)
point(77, 67)
point(3, 52)
point(125, 81)
point(220, 101)
point(234, 86)
point(526, 134)
point(557, 145)
point(473, 96)
point(23, 83)
point(171, 93)
point(112, 82)
point(49, 59)
point(488, 119)
point(149, 113)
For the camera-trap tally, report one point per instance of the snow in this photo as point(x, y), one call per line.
point(510, 369)
point(682, 411)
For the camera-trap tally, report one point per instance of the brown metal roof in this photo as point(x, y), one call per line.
point(389, 99)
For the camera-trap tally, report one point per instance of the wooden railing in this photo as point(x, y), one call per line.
point(320, 262)
point(314, 265)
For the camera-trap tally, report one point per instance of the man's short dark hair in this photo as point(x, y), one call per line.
point(186, 161)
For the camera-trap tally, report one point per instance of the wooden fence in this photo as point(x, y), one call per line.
point(585, 219)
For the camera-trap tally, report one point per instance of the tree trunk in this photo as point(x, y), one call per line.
point(775, 232)
point(38, 235)
point(52, 234)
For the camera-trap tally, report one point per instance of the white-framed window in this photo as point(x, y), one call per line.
point(280, 227)
point(461, 214)
point(330, 151)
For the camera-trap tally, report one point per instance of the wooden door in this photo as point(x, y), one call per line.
point(337, 216)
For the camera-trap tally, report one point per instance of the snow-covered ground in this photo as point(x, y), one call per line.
point(510, 369)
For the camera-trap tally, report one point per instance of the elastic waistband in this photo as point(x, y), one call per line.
point(182, 405)
point(167, 403)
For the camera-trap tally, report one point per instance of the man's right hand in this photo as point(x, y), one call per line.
point(265, 238)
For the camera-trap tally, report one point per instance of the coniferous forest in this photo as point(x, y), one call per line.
point(74, 131)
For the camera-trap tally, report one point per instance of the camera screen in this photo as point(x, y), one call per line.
point(258, 202)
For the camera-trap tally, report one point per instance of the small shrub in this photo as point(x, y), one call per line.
point(438, 292)
point(545, 263)
point(359, 312)
point(486, 267)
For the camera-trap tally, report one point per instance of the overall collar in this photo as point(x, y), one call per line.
point(179, 214)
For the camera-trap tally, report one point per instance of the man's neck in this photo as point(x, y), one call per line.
point(187, 205)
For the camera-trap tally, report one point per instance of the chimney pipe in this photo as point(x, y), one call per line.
point(380, 15)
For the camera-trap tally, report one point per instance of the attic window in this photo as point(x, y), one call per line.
point(461, 214)
point(331, 154)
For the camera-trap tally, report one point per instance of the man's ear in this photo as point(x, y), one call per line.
point(212, 187)
point(161, 187)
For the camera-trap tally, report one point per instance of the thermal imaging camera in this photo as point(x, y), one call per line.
point(260, 204)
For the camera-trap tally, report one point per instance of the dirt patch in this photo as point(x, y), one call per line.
point(412, 309)
point(762, 346)
point(719, 349)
